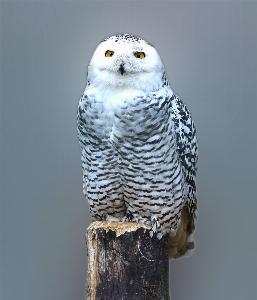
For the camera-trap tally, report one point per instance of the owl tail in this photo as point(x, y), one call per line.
point(183, 242)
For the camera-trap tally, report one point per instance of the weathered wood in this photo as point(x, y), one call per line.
point(125, 263)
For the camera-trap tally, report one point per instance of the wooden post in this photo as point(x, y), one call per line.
point(125, 263)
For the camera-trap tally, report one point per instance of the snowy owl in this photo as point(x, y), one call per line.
point(138, 143)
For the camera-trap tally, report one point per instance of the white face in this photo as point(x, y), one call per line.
point(121, 62)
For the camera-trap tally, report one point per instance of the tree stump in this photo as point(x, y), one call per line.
point(125, 263)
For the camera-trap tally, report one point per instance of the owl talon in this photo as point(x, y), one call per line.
point(155, 223)
point(103, 217)
point(129, 216)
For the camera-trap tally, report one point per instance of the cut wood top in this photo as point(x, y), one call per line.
point(118, 227)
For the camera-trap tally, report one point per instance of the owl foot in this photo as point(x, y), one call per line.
point(108, 218)
point(155, 224)
point(145, 221)
point(129, 217)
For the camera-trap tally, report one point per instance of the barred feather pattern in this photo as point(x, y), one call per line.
point(139, 157)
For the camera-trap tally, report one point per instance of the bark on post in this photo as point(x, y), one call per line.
point(124, 263)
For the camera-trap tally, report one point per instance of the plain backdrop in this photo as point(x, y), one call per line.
point(209, 50)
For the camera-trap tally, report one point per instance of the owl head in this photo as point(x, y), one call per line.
point(125, 61)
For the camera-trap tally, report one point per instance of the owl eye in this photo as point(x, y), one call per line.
point(139, 54)
point(109, 53)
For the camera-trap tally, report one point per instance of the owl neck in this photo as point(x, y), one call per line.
point(116, 96)
point(115, 82)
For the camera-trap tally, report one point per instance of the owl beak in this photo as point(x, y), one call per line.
point(122, 69)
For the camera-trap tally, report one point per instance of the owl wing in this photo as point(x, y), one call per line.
point(187, 148)
point(81, 122)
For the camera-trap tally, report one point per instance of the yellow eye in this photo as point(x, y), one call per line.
point(109, 53)
point(139, 55)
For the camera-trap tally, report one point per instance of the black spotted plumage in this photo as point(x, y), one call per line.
point(138, 143)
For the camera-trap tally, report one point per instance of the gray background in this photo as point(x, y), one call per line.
point(209, 49)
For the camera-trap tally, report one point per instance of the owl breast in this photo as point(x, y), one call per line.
point(136, 127)
point(135, 142)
